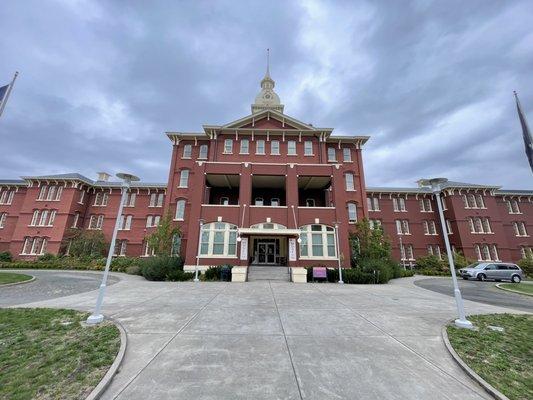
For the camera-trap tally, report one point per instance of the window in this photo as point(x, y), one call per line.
point(406, 252)
point(34, 246)
point(331, 154)
point(318, 241)
point(308, 148)
point(352, 213)
point(125, 222)
point(203, 152)
point(473, 201)
point(494, 252)
point(449, 227)
point(224, 201)
point(258, 201)
point(35, 218)
point(398, 204)
point(444, 205)
point(180, 210)
point(402, 227)
point(184, 178)
point(218, 239)
point(42, 193)
point(291, 148)
point(156, 199)
point(512, 207)
point(96, 222)
point(349, 182)
point(75, 220)
point(425, 205)
point(82, 196)
point(274, 202)
point(429, 227)
point(44, 216)
point(479, 225)
point(187, 151)
point(374, 223)
point(101, 199)
point(274, 147)
point(147, 250)
point(520, 229)
point(176, 245)
point(434, 250)
point(347, 154)
point(129, 201)
point(120, 248)
point(51, 218)
point(3, 217)
point(309, 202)
point(51, 193)
point(149, 221)
point(373, 203)
point(245, 146)
point(260, 147)
point(480, 203)
point(228, 146)
point(485, 252)
point(526, 252)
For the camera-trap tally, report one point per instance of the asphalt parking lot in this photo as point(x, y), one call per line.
point(482, 292)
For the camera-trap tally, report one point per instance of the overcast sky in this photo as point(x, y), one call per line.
point(430, 82)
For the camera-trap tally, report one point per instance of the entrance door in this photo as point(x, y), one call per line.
point(266, 253)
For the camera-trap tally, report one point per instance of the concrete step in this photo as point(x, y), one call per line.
point(266, 273)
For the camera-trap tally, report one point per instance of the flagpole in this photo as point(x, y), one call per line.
point(4, 101)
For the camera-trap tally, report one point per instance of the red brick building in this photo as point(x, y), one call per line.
point(264, 189)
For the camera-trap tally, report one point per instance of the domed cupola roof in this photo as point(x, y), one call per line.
point(267, 98)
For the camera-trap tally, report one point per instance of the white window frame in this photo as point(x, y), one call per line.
point(210, 231)
point(180, 210)
point(76, 219)
point(398, 204)
point(203, 152)
point(327, 242)
point(291, 148)
point(82, 197)
point(187, 152)
point(3, 218)
point(34, 218)
point(332, 154)
point(274, 148)
point(245, 147)
point(349, 179)
point(449, 227)
point(184, 178)
point(260, 147)
point(347, 154)
point(308, 148)
point(129, 201)
point(352, 213)
point(372, 203)
point(228, 146)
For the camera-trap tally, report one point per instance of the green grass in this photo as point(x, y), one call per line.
point(526, 288)
point(505, 360)
point(49, 354)
point(11, 277)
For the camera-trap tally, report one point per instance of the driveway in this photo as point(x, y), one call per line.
point(50, 284)
point(261, 340)
point(483, 292)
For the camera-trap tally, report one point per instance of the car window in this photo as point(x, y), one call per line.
point(502, 267)
point(490, 267)
point(513, 267)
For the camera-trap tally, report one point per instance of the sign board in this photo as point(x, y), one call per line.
point(292, 249)
point(244, 248)
point(319, 272)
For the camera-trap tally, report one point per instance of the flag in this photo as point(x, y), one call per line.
point(528, 141)
point(5, 91)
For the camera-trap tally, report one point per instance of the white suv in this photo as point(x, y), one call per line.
point(493, 270)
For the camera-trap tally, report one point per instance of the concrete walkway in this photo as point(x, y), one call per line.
point(262, 340)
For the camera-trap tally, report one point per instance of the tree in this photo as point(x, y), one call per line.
point(367, 243)
point(162, 239)
point(90, 243)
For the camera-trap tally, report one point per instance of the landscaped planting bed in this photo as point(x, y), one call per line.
point(52, 354)
point(12, 277)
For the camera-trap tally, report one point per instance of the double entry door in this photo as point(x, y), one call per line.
point(266, 252)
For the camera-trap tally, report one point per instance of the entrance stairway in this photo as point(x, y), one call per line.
point(265, 273)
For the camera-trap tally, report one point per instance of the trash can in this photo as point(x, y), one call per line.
point(225, 273)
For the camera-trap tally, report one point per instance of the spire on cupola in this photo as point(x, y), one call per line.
point(267, 99)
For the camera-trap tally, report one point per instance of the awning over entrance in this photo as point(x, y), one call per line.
point(269, 232)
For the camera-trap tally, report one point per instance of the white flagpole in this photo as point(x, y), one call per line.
point(3, 104)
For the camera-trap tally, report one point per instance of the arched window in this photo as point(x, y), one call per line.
point(349, 182)
point(317, 241)
point(203, 151)
point(176, 245)
point(352, 213)
point(184, 178)
point(180, 210)
point(218, 239)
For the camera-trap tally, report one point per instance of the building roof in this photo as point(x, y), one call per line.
point(79, 177)
point(13, 182)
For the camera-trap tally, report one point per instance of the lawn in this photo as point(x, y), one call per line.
point(50, 354)
point(11, 277)
point(526, 288)
point(505, 360)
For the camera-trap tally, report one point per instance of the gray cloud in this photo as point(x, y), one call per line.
point(430, 82)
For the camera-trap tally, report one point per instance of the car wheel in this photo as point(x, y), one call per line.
point(481, 277)
point(516, 279)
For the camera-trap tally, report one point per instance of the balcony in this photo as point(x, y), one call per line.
point(221, 189)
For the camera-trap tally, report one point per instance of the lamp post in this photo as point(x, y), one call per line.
point(97, 317)
point(338, 252)
point(436, 187)
point(198, 255)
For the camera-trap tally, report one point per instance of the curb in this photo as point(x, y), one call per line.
point(18, 283)
point(512, 291)
point(469, 371)
point(114, 369)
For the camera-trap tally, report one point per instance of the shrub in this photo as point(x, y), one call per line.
point(215, 273)
point(5, 256)
point(133, 269)
point(382, 269)
point(432, 272)
point(527, 266)
point(461, 261)
point(90, 243)
point(120, 264)
point(431, 263)
point(48, 257)
point(356, 275)
point(179, 275)
point(161, 268)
